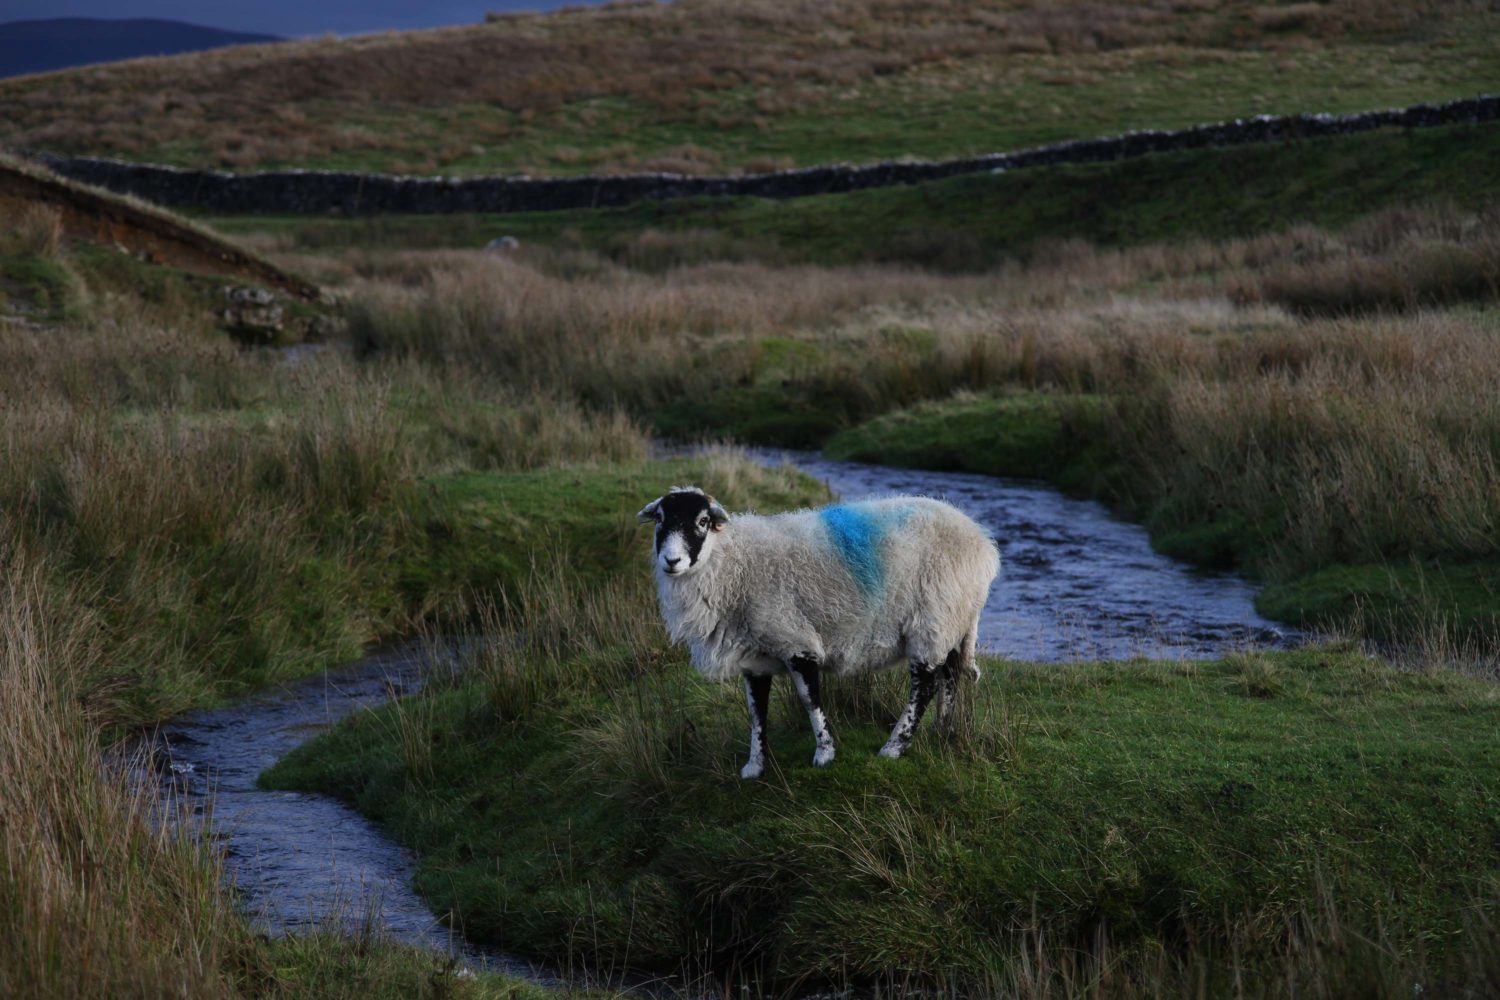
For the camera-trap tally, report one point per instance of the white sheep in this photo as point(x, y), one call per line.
point(842, 589)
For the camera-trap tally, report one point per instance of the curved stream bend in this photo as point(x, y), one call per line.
point(1075, 583)
point(302, 861)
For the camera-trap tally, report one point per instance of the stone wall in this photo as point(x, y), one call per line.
point(321, 191)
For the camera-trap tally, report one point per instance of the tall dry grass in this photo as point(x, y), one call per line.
point(99, 894)
point(1366, 435)
point(1396, 261)
point(181, 520)
point(1392, 449)
point(227, 511)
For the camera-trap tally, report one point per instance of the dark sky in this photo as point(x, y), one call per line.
point(288, 18)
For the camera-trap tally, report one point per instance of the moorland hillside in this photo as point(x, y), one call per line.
point(707, 86)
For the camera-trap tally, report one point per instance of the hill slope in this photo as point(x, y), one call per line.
point(714, 85)
point(59, 43)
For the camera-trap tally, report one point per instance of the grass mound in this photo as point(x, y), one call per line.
point(1028, 435)
point(1146, 801)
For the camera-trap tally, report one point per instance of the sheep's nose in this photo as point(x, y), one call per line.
point(672, 563)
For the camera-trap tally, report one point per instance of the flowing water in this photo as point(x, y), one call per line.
point(298, 860)
point(1075, 582)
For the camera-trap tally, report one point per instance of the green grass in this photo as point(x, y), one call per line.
point(42, 289)
point(427, 552)
point(1152, 799)
point(932, 114)
point(973, 222)
point(1028, 435)
point(486, 534)
point(334, 966)
point(1395, 600)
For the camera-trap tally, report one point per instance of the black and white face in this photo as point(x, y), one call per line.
point(686, 521)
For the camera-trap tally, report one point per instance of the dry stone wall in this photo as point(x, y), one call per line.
point(321, 191)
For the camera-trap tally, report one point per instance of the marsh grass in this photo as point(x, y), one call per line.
point(1185, 385)
point(254, 503)
point(1396, 262)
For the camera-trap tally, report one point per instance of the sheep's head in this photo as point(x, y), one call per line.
point(686, 520)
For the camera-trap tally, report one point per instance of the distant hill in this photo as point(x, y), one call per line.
point(718, 86)
point(60, 43)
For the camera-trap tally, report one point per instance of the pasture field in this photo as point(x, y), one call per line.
point(1279, 359)
point(710, 86)
point(976, 223)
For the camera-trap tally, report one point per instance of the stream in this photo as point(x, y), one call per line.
point(301, 861)
point(1076, 583)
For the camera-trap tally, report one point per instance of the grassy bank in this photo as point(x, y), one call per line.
point(976, 222)
point(1434, 586)
point(1190, 815)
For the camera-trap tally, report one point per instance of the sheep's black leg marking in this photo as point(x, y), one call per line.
point(923, 684)
point(804, 671)
point(758, 694)
point(947, 694)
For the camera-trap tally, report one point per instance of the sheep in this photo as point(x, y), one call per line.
point(842, 589)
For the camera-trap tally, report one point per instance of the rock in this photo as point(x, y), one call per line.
point(240, 295)
point(252, 314)
point(502, 244)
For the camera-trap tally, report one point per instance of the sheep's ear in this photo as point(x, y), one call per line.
point(717, 516)
point(647, 514)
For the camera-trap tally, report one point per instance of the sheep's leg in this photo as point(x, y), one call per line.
point(804, 671)
point(758, 694)
point(947, 692)
point(923, 683)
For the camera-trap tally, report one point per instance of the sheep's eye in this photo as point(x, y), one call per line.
point(702, 520)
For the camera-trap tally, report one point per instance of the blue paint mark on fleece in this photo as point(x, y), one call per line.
point(855, 533)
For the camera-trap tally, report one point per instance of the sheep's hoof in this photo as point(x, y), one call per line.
point(824, 756)
point(752, 771)
point(892, 750)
